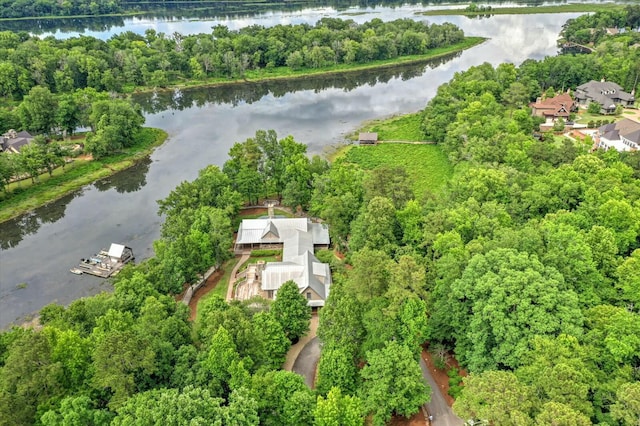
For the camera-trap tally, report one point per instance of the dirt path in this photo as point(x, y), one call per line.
point(211, 283)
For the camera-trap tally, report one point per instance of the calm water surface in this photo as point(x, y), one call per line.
point(38, 249)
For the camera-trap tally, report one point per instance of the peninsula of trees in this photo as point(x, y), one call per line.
point(127, 61)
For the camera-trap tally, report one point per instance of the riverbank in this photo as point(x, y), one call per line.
point(78, 174)
point(529, 10)
point(286, 73)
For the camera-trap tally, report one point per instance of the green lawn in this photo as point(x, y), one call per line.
point(583, 117)
point(403, 128)
point(221, 287)
point(427, 166)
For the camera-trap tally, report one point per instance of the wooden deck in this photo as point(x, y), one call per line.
point(102, 265)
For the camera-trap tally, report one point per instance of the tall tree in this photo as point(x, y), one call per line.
point(393, 383)
point(37, 111)
point(292, 311)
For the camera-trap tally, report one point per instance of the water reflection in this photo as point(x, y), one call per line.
point(14, 230)
point(235, 94)
point(131, 180)
point(237, 15)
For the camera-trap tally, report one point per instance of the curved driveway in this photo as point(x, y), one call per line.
point(307, 360)
point(305, 364)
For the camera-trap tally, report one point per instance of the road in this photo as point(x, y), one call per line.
point(305, 364)
point(438, 407)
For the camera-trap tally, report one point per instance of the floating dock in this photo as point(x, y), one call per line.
point(106, 263)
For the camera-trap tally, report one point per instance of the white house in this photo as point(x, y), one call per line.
point(623, 135)
point(298, 239)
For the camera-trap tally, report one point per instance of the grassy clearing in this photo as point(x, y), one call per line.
point(265, 74)
point(584, 117)
point(427, 165)
point(24, 196)
point(258, 259)
point(404, 128)
point(563, 8)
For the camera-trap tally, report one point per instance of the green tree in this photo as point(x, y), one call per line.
point(338, 410)
point(28, 379)
point(393, 383)
point(556, 413)
point(497, 397)
point(626, 409)
point(375, 227)
point(272, 343)
point(120, 357)
point(37, 111)
point(75, 411)
point(336, 369)
point(292, 311)
point(593, 108)
point(172, 407)
point(506, 297)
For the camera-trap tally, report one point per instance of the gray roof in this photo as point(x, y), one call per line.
point(626, 128)
point(277, 230)
point(602, 92)
point(634, 137)
point(300, 265)
point(368, 137)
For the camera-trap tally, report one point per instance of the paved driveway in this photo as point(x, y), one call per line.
point(438, 407)
point(305, 364)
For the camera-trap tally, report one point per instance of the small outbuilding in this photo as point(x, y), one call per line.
point(368, 138)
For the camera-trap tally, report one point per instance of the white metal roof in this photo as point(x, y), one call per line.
point(116, 250)
point(253, 231)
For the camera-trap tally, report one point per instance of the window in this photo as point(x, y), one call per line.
point(308, 295)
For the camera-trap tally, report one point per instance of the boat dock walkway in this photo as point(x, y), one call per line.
point(106, 263)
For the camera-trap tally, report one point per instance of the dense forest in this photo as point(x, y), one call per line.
point(129, 60)
point(591, 28)
point(526, 266)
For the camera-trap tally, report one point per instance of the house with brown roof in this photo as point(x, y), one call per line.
point(559, 106)
point(13, 141)
point(623, 135)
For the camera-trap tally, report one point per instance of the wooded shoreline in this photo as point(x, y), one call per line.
point(263, 75)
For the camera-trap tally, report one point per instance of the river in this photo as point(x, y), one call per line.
point(38, 249)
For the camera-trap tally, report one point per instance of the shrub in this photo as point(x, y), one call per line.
point(266, 253)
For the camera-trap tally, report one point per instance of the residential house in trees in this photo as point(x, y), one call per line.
point(13, 141)
point(298, 238)
point(559, 106)
point(606, 93)
point(623, 135)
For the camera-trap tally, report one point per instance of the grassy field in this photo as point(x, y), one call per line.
point(563, 8)
point(404, 128)
point(25, 196)
point(427, 166)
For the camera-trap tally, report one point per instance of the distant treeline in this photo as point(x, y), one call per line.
point(128, 60)
point(43, 8)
